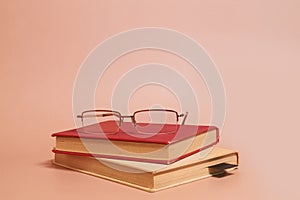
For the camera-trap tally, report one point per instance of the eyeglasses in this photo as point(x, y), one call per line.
point(144, 121)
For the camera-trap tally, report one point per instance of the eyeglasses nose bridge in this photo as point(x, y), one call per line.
point(133, 120)
point(127, 116)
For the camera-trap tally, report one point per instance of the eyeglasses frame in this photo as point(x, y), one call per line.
point(132, 117)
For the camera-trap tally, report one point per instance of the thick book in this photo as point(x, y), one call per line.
point(153, 177)
point(164, 148)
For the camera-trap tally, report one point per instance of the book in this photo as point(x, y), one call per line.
point(164, 148)
point(153, 177)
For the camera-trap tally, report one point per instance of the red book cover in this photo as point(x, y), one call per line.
point(128, 133)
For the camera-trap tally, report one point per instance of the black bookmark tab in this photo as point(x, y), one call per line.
point(219, 170)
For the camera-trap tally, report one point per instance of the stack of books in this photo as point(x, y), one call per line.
point(150, 163)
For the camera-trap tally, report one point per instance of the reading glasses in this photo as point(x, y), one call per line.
point(144, 121)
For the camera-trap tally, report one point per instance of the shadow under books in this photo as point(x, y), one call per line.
point(50, 165)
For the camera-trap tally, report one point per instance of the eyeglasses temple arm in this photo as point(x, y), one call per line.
point(184, 117)
point(97, 115)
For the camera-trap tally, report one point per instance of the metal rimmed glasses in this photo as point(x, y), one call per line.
point(147, 121)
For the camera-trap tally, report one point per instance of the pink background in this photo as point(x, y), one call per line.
point(255, 45)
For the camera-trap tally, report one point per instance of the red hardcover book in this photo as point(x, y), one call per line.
point(128, 144)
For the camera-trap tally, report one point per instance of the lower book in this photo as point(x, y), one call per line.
point(153, 177)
